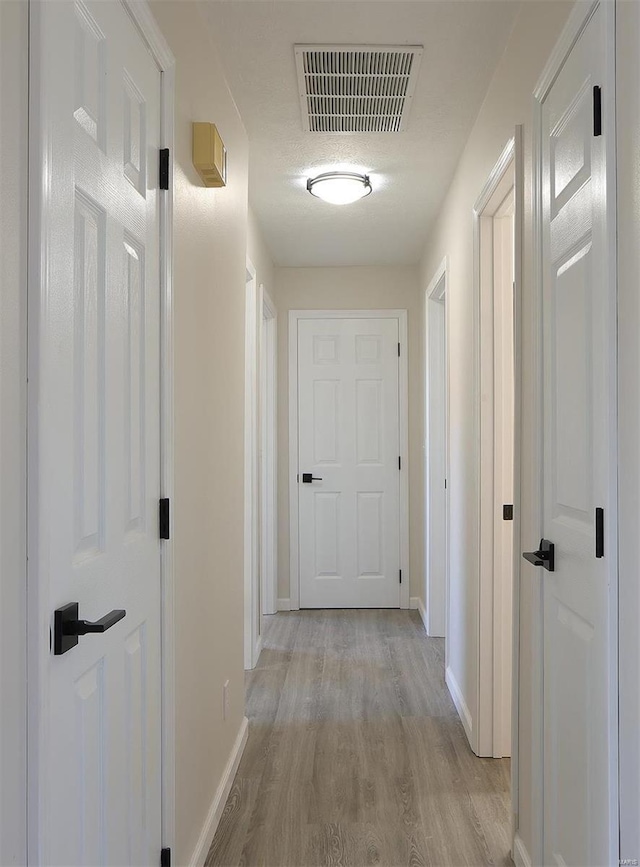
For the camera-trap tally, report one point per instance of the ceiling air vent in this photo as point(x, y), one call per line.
point(356, 88)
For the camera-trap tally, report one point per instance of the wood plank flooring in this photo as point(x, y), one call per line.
point(356, 755)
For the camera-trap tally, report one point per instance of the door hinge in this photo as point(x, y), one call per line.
point(165, 858)
point(164, 518)
point(398, 350)
point(400, 576)
point(507, 512)
point(599, 533)
point(163, 169)
point(445, 484)
point(597, 110)
point(399, 462)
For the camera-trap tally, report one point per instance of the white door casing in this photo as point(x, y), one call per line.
point(252, 556)
point(435, 453)
point(580, 813)
point(349, 439)
point(14, 90)
point(503, 466)
point(494, 269)
point(517, 487)
point(628, 232)
point(268, 455)
point(95, 329)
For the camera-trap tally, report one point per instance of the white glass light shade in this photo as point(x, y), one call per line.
point(339, 188)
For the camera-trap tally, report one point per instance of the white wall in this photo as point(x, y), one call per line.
point(13, 241)
point(508, 102)
point(210, 248)
point(345, 289)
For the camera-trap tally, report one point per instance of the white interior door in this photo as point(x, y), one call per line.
point(349, 443)
point(95, 420)
point(579, 412)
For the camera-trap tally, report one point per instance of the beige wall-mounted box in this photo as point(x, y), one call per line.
point(209, 155)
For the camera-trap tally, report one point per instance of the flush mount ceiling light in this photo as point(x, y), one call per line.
point(339, 188)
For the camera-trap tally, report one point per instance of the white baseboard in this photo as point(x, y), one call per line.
point(257, 650)
point(417, 604)
point(217, 805)
point(284, 605)
point(460, 703)
point(521, 857)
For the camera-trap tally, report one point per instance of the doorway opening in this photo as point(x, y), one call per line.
point(495, 267)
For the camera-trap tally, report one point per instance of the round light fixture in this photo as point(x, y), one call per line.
point(340, 188)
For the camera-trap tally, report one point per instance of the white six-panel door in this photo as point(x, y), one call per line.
point(579, 415)
point(349, 441)
point(95, 422)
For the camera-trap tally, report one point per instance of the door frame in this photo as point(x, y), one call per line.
point(14, 98)
point(488, 732)
point(252, 632)
point(436, 293)
point(403, 398)
point(578, 19)
point(268, 453)
point(628, 116)
point(39, 615)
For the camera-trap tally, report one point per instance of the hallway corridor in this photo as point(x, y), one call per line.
point(356, 755)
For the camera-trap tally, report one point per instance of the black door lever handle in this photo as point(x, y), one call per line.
point(544, 556)
point(67, 627)
point(307, 478)
point(82, 627)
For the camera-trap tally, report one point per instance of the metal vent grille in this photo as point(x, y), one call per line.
point(356, 88)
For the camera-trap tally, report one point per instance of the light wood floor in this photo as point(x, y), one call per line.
point(356, 755)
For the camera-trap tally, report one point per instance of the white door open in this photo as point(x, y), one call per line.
point(349, 474)
point(95, 743)
point(580, 815)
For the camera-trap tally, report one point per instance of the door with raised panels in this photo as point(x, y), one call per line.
point(579, 432)
point(348, 460)
point(95, 422)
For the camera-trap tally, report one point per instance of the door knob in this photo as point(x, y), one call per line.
point(307, 478)
point(544, 556)
point(67, 627)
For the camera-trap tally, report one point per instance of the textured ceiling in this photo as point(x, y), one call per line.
point(410, 171)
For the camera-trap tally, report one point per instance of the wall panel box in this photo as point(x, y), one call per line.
point(209, 155)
